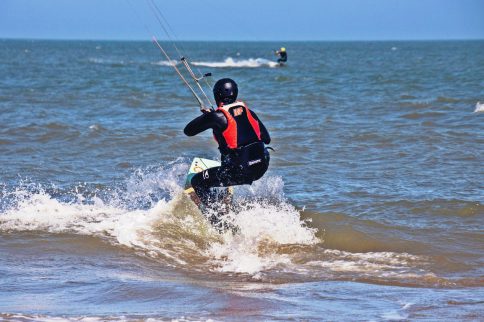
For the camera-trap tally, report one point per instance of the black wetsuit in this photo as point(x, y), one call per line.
point(282, 57)
point(239, 166)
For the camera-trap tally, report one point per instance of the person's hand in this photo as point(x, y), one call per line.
point(205, 109)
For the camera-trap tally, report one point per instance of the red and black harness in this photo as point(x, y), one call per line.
point(241, 140)
point(242, 128)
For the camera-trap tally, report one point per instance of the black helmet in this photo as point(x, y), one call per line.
point(225, 91)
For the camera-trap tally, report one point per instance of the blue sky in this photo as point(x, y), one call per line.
point(245, 19)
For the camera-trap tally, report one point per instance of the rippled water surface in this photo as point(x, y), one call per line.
point(372, 209)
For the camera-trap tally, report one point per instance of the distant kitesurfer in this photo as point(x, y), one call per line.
point(241, 137)
point(282, 55)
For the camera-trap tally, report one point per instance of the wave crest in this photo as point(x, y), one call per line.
point(479, 107)
point(153, 216)
point(238, 63)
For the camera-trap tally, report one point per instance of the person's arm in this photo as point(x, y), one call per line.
point(264, 134)
point(210, 120)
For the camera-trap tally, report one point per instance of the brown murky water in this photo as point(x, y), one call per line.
point(372, 208)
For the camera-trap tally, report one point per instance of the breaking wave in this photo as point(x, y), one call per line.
point(169, 228)
point(166, 63)
point(227, 63)
point(239, 63)
point(151, 215)
point(479, 107)
point(110, 62)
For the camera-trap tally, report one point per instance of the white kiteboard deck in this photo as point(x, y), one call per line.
point(198, 165)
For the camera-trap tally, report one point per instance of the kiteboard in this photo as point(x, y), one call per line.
point(199, 165)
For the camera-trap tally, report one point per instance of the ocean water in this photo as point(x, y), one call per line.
point(372, 209)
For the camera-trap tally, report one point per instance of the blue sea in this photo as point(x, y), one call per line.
point(372, 208)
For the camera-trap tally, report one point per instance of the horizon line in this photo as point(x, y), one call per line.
point(238, 40)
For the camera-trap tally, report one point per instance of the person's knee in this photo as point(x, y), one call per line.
point(258, 171)
point(195, 181)
point(198, 180)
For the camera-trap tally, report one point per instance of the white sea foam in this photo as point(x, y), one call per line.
point(374, 265)
point(104, 61)
point(121, 318)
point(394, 316)
point(40, 211)
point(239, 63)
point(166, 63)
point(260, 225)
point(227, 63)
point(270, 237)
point(479, 107)
point(270, 234)
point(131, 228)
point(168, 228)
point(263, 226)
point(95, 127)
point(96, 60)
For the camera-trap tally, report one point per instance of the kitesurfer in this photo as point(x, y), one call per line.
point(282, 53)
point(241, 137)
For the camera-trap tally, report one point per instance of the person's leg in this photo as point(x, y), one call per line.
point(216, 203)
point(224, 176)
point(203, 181)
